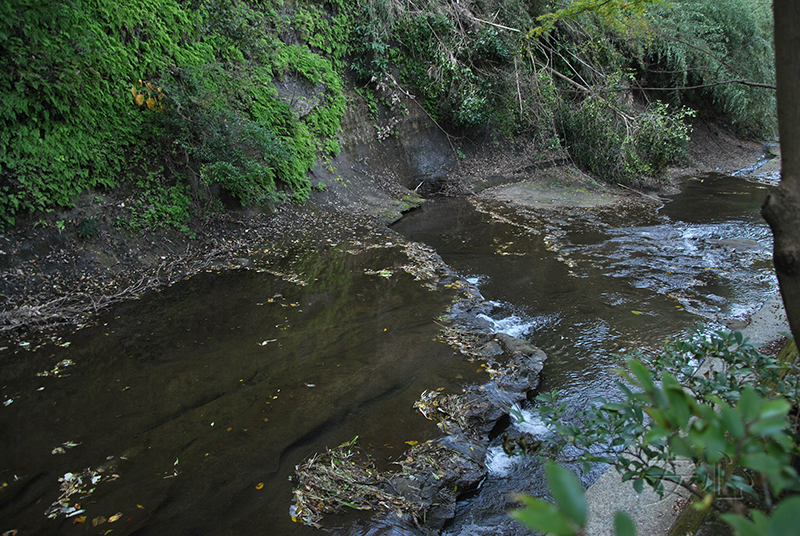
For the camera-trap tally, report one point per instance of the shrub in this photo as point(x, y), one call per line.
point(617, 146)
point(732, 422)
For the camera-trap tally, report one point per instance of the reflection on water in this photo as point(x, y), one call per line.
point(583, 287)
point(186, 411)
point(203, 398)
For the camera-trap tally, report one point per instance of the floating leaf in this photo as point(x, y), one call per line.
point(259, 485)
point(115, 517)
point(58, 450)
point(412, 443)
point(637, 312)
point(98, 521)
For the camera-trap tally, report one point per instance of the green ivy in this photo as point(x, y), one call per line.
point(93, 87)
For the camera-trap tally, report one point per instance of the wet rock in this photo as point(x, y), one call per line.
point(490, 349)
point(742, 245)
point(434, 475)
point(515, 345)
point(526, 361)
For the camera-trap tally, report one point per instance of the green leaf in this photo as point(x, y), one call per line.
point(771, 418)
point(623, 525)
point(567, 492)
point(761, 462)
point(656, 433)
point(732, 420)
point(784, 518)
point(543, 517)
point(749, 404)
point(642, 374)
point(741, 525)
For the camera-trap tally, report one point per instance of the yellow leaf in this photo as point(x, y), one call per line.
point(151, 102)
point(133, 90)
point(259, 485)
point(115, 517)
point(80, 519)
point(412, 443)
point(139, 99)
point(98, 521)
point(637, 312)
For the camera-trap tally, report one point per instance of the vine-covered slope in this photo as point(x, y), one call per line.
point(192, 106)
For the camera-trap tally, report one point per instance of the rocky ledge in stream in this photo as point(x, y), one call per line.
point(420, 498)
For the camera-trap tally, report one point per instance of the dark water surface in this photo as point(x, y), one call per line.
point(581, 288)
point(584, 287)
point(190, 408)
point(202, 398)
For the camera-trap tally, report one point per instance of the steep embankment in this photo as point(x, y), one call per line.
point(51, 276)
point(177, 120)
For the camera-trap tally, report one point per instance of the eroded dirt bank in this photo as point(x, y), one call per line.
point(50, 277)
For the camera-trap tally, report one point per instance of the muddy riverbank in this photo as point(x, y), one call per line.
point(51, 277)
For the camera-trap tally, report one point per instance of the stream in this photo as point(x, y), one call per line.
point(186, 412)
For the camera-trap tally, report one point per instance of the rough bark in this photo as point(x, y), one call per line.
point(781, 209)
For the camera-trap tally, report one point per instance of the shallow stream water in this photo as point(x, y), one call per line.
point(186, 412)
point(584, 286)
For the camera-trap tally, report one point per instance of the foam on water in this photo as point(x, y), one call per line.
point(498, 462)
point(527, 421)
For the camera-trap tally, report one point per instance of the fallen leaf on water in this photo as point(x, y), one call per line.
point(80, 519)
point(637, 312)
point(58, 450)
point(259, 485)
point(115, 517)
point(412, 443)
point(139, 506)
point(98, 521)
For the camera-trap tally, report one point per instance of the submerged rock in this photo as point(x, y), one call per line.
point(422, 495)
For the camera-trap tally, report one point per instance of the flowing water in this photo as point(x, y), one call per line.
point(583, 287)
point(187, 411)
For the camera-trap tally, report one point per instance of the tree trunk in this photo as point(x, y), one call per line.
point(781, 209)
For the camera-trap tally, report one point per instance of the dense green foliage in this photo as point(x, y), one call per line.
point(565, 74)
point(699, 43)
point(97, 94)
point(734, 421)
point(182, 102)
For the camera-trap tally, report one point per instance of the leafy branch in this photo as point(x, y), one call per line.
point(713, 401)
